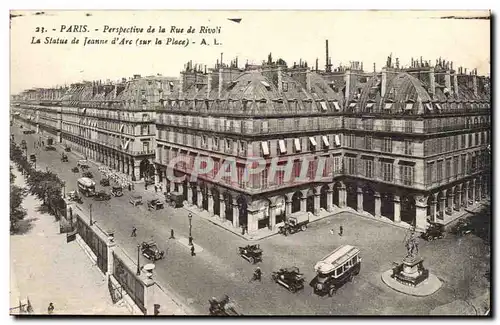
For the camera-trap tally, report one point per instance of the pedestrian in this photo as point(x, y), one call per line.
point(145, 185)
point(129, 187)
point(341, 232)
point(134, 232)
point(192, 251)
point(172, 234)
point(50, 309)
point(331, 231)
point(190, 241)
point(156, 188)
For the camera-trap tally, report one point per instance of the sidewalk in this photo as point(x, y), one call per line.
point(46, 269)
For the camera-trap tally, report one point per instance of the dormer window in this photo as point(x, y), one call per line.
point(285, 86)
point(369, 107)
point(387, 106)
point(265, 84)
point(428, 106)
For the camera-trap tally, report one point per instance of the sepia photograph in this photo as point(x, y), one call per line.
point(250, 163)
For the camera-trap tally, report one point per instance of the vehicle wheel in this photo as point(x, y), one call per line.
point(303, 228)
point(349, 278)
point(332, 291)
point(430, 238)
point(293, 289)
point(251, 260)
point(285, 232)
point(274, 277)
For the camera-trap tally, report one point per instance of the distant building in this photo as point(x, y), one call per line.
point(405, 143)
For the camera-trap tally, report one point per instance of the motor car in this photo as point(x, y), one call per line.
point(135, 199)
point(290, 278)
point(174, 199)
point(82, 163)
point(296, 222)
point(104, 182)
point(155, 204)
point(73, 196)
point(64, 157)
point(336, 269)
point(50, 148)
point(433, 231)
point(463, 227)
point(87, 174)
point(33, 158)
point(102, 196)
point(75, 170)
point(252, 253)
point(222, 307)
point(117, 191)
point(151, 251)
point(67, 149)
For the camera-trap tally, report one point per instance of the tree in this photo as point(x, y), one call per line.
point(46, 186)
point(12, 176)
point(17, 213)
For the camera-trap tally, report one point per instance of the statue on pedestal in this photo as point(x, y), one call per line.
point(411, 243)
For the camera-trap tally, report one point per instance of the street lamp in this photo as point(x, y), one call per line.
point(138, 254)
point(190, 217)
point(90, 208)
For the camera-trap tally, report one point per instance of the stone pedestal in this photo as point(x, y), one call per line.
point(411, 266)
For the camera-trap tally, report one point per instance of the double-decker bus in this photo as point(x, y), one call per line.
point(86, 186)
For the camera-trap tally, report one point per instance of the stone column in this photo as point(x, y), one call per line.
point(172, 186)
point(288, 204)
point(459, 199)
point(303, 204)
point(252, 223)
point(190, 194)
point(222, 207)
point(466, 195)
point(317, 200)
point(199, 198)
point(329, 198)
point(342, 196)
point(180, 188)
point(479, 187)
point(360, 199)
point(236, 214)
point(420, 212)
point(434, 207)
point(473, 191)
point(378, 204)
point(451, 195)
point(397, 208)
point(210, 203)
point(137, 172)
point(272, 217)
point(442, 204)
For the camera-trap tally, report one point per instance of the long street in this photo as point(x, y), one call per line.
point(218, 269)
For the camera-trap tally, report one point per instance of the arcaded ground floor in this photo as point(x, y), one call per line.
point(265, 210)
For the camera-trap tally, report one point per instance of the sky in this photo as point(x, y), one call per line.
point(367, 36)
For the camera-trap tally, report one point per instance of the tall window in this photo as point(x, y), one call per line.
point(408, 147)
point(439, 172)
point(455, 166)
point(406, 174)
point(462, 141)
point(447, 170)
point(368, 142)
point(470, 141)
point(408, 126)
point(476, 142)
point(387, 145)
point(430, 173)
point(463, 166)
point(369, 168)
point(387, 172)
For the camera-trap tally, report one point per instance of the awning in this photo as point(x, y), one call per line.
point(171, 83)
point(336, 105)
point(388, 106)
point(282, 146)
point(409, 106)
point(446, 90)
point(428, 106)
point(337, 140)
point(85, 109)
point(297, 144)
point(265, 148)
point(125, 146)
point(325, 141)
point(370, 105)
point(352, 105)
point(313, 141)
point(121, 127)
point(323, 106)
point(438, 106)
point(265, 84)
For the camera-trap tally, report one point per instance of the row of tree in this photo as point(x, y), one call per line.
point(45, 185)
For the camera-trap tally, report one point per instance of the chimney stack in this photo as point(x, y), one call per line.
point(220, 81)
point(447, 80)
point(280, 80)
point(316, 64)
point(474, 85)
point(455, 83)
point(384, 81)
point(347, 78)
point(181, 84)
point(209, 83)
point(328, 65)
point(308, 80)
point(432, 81)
